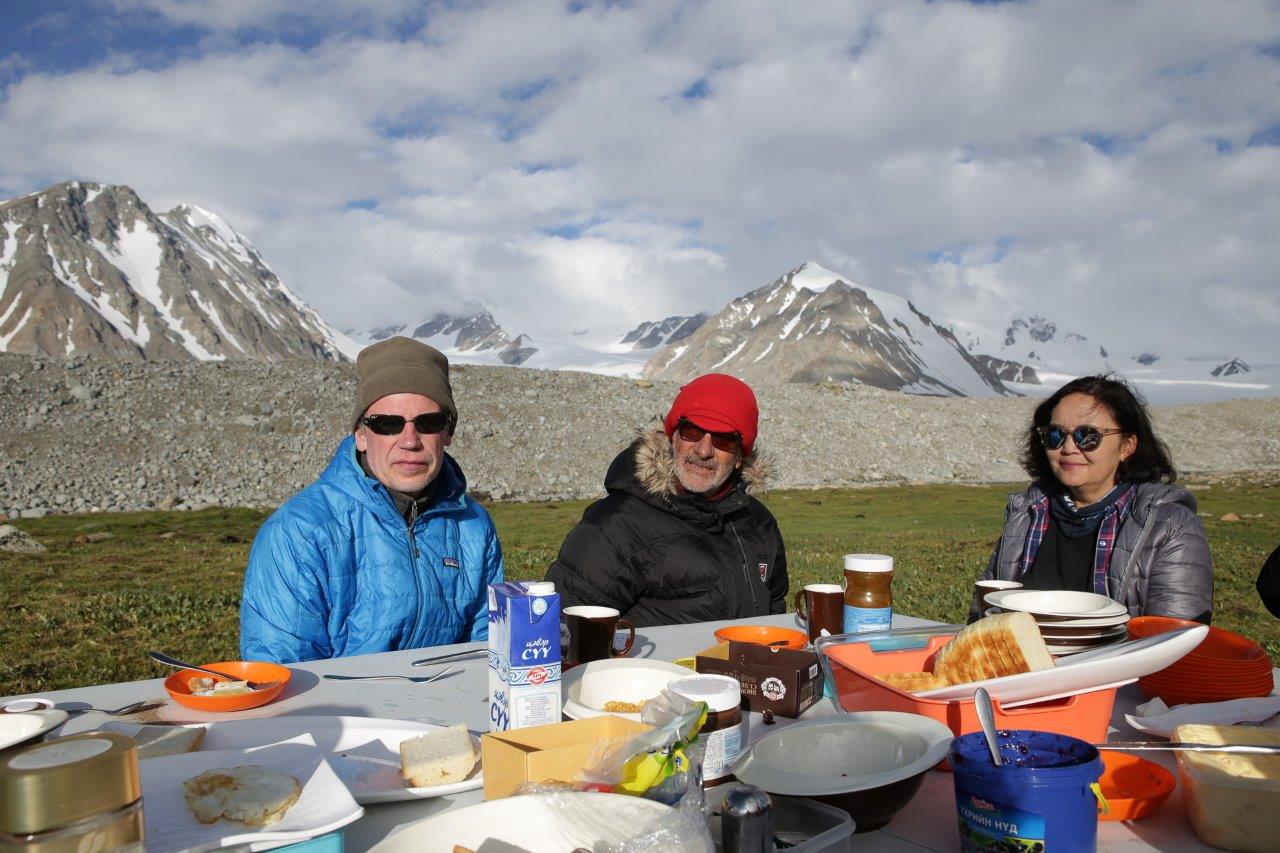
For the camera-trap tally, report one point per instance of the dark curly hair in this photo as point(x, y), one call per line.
point(1150, 461)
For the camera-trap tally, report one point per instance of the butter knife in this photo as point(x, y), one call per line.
point(1147, 746)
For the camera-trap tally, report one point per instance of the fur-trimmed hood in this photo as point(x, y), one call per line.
point(648, 464)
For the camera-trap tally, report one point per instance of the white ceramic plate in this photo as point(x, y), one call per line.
point(1054, 623)
point(363, 751)
point(534, 823)
point(1056, 602)
point(1122, 664)
point(588, 687)
point(16, 728)
point(1084, 636)
point(325, 803)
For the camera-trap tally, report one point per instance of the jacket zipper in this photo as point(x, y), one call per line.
point(746, 576)
point(417, 581)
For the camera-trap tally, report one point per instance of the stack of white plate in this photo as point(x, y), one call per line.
point(1070, 622)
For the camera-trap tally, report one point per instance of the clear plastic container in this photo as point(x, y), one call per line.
point(801, 825)
point(1231, 799)
point(851, 678)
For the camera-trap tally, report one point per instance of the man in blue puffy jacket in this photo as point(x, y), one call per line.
point(385, 551)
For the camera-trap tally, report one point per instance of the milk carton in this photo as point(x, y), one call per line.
point(524, 655)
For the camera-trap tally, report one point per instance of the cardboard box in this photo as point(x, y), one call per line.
point(554, 752)
point(784, 681)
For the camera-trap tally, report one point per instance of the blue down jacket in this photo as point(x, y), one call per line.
point(331, 572)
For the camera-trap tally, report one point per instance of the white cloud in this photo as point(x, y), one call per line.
point(1089, 161)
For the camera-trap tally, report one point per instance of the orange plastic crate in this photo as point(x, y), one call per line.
point(854, 666)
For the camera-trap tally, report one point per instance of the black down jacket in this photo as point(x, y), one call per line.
point(663, 558)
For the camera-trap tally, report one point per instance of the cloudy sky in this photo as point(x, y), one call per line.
point(1113, 165)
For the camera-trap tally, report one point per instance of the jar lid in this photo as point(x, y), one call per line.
point(720, 692)
point(868, 563)
point(50, 785)
point(540, 588)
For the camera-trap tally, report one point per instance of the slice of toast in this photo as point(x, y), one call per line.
point(252, 794)
point(999, 645)
point(437, 758)
point(912, 682)
point(156, 741)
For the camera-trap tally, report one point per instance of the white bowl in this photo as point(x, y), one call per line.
point(589, 686)
point(536, 823)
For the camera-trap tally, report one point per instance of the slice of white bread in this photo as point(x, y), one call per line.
point(437, 758)
point(252, 794)
point(155, 741)
point(912, 682)
point(1003, 644)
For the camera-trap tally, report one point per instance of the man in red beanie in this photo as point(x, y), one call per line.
point(679, 537)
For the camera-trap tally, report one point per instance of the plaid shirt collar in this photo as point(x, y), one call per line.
point(1111, 521)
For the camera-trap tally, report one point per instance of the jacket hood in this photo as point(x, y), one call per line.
point(1150, 496)
point(647, 470)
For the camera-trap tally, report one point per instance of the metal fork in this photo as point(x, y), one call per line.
point(115, 712)
point(416, 679)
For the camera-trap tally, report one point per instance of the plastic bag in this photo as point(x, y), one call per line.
point(663, 765)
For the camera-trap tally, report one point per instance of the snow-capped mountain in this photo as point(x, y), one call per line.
point(814, 325)
point(88, 269)
point(471, 334)
point(661, 333)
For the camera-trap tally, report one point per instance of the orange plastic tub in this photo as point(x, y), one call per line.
point(854, 665)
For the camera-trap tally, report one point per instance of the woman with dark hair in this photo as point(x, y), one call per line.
point(1102, 514)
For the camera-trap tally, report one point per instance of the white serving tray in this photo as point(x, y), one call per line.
point(1103, 668)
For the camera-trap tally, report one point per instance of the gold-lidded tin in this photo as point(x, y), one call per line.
point(74, 793)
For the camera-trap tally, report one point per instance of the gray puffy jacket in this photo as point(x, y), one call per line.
point(1160, 564)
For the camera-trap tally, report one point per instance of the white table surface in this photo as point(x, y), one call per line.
point(928, 822)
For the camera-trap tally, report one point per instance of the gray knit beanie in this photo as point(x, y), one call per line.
point(402, 365)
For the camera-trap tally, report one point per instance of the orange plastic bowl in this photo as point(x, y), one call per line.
point(1133, 786)
point(764, 635)
point(176, 685)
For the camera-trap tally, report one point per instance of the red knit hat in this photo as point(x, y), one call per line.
point(718, 403)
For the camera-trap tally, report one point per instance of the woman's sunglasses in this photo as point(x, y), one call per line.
point(729, 442)
point(1086, 437)
point(426, 424)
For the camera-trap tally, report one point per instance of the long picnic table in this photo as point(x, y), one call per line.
point(928, 822)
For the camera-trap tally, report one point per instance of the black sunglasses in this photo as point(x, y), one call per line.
point(1086, 437)
point(429, 423)
point(729, 442)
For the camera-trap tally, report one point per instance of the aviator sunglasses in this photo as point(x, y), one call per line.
point(729, 442)
point(426, 424)
point(1086, 437)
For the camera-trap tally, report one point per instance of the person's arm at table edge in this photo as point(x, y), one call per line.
point(282, 616)
point(494, 572)
point(1181, 580)
point(779, 582)
point(588, 546)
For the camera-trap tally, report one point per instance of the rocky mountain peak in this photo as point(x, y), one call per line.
point(91, 269)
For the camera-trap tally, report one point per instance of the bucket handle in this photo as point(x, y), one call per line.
point(1103, 805)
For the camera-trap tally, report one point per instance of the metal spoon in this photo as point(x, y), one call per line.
point(1144, 746)
point(161, 657)
point(987, 718)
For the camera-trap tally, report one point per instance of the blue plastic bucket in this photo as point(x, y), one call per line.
point(1040, 799)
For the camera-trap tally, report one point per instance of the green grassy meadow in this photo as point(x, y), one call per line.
point(86, 612)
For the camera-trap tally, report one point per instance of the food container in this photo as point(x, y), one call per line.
point(73, 794)
point(1040, 797)
point(722, 732)
point(783, 681)
point(868, 764)
point(1232, 800)
point(861, 657)
point(177, 685)
point(802, 824)
point(1133, 787)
